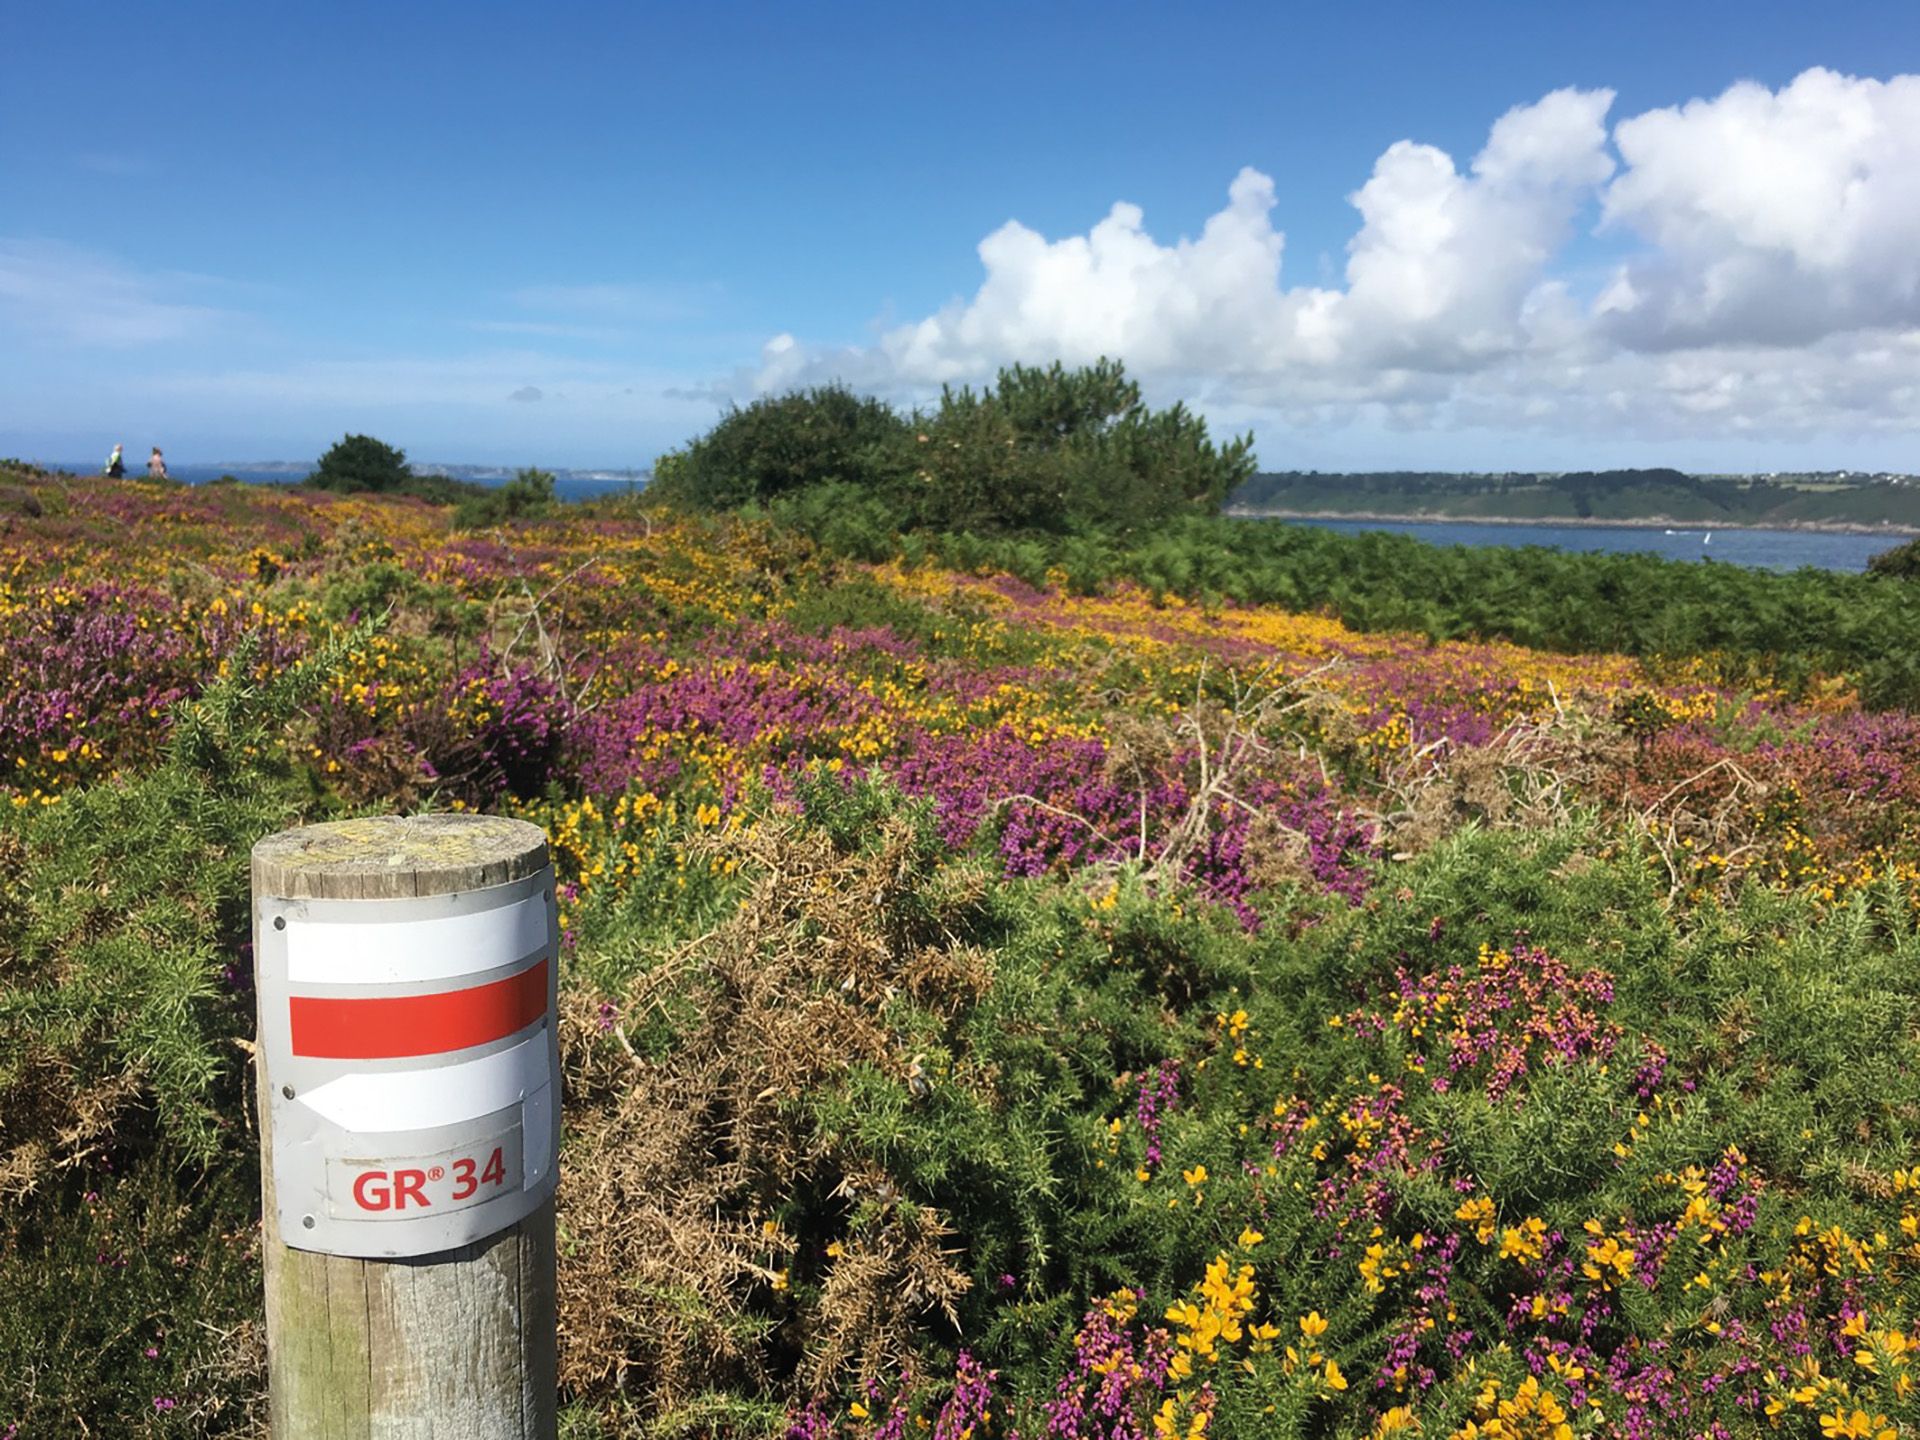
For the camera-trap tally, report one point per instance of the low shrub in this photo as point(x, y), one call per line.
point(528, 495)
point(781, 444)
point(128, 1177)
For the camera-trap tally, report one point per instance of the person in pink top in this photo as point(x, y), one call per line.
point(156, 467)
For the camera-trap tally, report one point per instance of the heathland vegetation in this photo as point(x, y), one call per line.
point(1101, 505)
point(362, 465)
point(1026, 968)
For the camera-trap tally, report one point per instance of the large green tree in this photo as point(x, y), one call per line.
point(1058, 449)
point(360, 462)
point(783, 443)
point(1045, 448)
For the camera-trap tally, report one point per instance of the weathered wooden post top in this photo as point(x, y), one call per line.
point(410, 1119)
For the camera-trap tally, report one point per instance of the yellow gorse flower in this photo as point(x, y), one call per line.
point(1478, 1213)
point(1532, 1412)
point(1216, 1315)
point(1843, 1424)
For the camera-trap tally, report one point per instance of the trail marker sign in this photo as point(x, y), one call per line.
point(414, 1066)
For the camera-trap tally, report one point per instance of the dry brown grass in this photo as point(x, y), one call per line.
point(672, 1258)
point(1691, 819)
point(60, 1122)
point(1530, 776)
point(1217, 743)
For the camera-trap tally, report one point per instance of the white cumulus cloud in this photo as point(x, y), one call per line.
point(1776, 217)
point(1765, 280)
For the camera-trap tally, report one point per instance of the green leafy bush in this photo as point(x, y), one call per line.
point(122, 909)
point(782, 444)
point(527, 495)
point(128, 1175)
point(897, 1066)
point(1064, 450)
point(1044, 449)
point(361, 463)
point(1900, 563)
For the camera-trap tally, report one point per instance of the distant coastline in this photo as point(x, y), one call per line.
point(1838, 502)
point(1650, 522)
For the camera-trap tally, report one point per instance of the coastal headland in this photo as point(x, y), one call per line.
point(1840, 501)
point(1650, 522)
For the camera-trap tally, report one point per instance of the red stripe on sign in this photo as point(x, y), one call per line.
point(389, 1027)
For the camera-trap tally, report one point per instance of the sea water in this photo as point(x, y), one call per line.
point(1767, 549)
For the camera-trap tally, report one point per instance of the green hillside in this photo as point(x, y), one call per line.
point(1621, 496)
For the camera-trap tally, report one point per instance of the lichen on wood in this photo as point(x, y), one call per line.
point(397, 855)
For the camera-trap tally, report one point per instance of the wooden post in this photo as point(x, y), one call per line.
point(458, 1343)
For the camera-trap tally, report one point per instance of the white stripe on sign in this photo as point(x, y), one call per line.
point(368, 1102)
point(395, 952)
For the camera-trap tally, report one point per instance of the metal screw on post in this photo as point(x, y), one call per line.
point(408, 1074)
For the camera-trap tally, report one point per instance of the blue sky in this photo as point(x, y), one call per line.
point(489, 233)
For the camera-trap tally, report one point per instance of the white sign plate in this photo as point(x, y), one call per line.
point(414, 1066)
